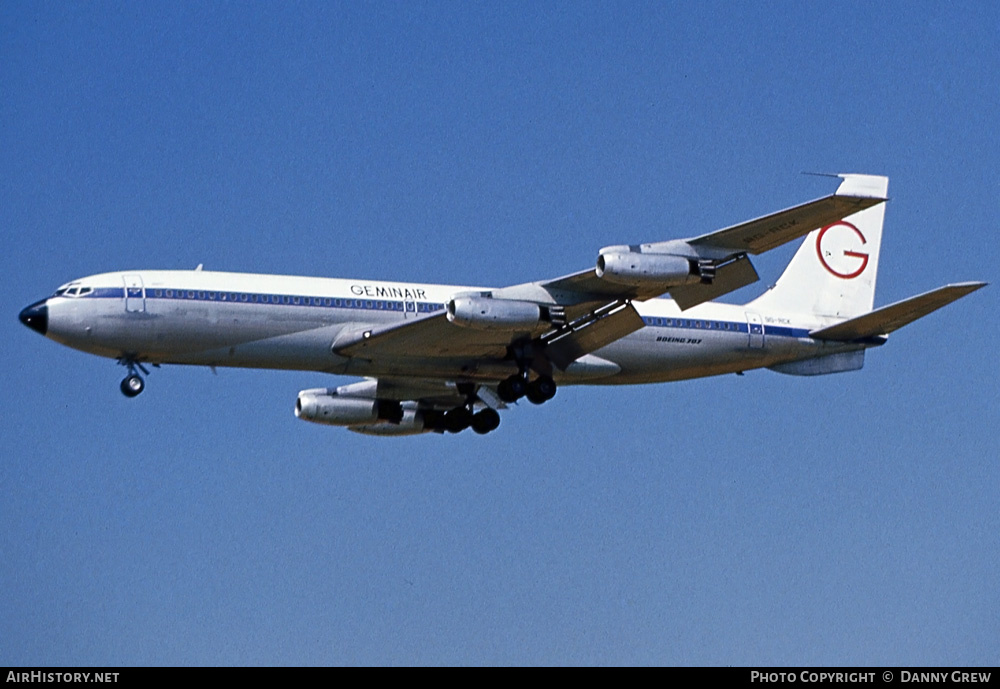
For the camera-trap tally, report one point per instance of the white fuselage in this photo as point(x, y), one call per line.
point(284, 322)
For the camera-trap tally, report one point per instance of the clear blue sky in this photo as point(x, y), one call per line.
point(769, 520)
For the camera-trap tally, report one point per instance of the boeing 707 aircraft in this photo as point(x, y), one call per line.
point(446, 358)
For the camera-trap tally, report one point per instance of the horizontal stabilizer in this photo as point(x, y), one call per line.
point(893, 317)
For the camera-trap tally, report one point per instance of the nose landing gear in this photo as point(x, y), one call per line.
point(133, 383)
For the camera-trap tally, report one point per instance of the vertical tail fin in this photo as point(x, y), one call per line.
point(833, 273)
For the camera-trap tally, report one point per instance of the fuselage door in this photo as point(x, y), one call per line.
point(135, 294)
point(409, 309)
point(756, 330)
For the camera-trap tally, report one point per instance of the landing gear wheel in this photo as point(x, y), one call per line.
point(457, 419)
point(540, 390)
point(485, 421)
point(132, 385)
point(512, 389)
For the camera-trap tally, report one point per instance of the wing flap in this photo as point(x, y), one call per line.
point(591, 333)
point(893, 317)
point(728, 277)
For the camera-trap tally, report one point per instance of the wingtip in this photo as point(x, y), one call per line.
point(863, 186)
point(857, 185)
point(971, 286)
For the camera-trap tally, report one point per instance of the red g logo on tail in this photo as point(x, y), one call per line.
point(835, 246)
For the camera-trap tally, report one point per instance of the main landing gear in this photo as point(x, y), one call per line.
point(133, 383)
point(464, 416)
point(458, 419)
point(513, 388)
point(540, 390)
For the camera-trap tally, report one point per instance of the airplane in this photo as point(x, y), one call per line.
point(438, 358)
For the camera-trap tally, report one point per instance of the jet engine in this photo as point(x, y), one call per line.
point(485, 313)
point(373, 416)
point(635, 270)
point(322, 405)
point(412, 423)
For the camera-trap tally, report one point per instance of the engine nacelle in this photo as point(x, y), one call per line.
point(325, 406)
point(412, 423)
point(634, 269)
point(484, 313)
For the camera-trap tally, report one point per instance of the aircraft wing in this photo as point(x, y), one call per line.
point(584, 311)
point(434, 337)
point(718, 259)
point(431, 336)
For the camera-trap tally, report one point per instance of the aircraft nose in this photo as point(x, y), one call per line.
point(36, 316)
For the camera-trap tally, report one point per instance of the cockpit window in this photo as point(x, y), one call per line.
point(73, 291)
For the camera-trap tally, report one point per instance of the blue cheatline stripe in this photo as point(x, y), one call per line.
point(696, 324)
point(268, 299)
point(722, 326)
point(783, 331)
point(391, 305)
